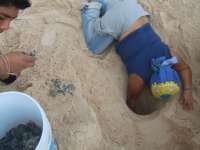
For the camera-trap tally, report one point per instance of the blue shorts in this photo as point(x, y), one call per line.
point(138, 49)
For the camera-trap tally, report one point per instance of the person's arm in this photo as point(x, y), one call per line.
point(185, 73)
point(15, 63)
point(3, 70)
point(96, 40)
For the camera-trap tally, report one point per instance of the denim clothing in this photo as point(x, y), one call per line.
point(96, 42)
point(106, 20)
point(138, 50)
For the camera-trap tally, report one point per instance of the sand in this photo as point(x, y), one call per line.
point(95, 116)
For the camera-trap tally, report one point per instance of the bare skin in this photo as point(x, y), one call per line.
point(135, 87)
point(136, 83)
point(18, 60)
point(186, 75)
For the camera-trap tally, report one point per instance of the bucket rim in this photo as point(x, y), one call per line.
point(46, 128)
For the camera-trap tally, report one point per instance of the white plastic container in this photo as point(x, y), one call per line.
point(18, 108)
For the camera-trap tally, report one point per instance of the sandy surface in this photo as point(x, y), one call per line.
point(96, 117)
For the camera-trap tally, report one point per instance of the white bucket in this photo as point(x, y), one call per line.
point(18, 108)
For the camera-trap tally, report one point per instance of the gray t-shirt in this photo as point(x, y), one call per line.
point(119, 16)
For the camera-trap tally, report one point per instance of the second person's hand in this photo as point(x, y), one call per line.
point(19, 61)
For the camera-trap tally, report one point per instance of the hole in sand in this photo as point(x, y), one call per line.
point(147, 104)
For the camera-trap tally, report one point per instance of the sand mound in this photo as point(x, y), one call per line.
point(95, 116)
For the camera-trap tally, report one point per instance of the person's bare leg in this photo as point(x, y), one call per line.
point(135, 86)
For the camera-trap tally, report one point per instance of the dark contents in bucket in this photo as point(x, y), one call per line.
point(22, 137)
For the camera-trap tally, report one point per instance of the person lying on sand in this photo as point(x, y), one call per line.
point(148, 60)
point(12, 64)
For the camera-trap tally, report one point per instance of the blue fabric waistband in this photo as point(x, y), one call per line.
point(136, 41)
point(138, 49)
